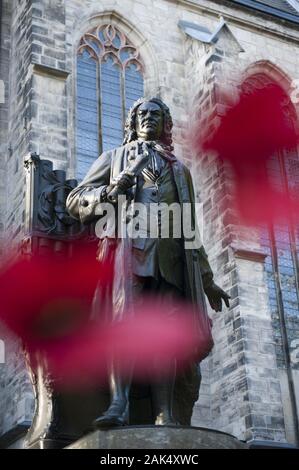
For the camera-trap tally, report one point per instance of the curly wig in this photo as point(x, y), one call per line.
point(130, 126)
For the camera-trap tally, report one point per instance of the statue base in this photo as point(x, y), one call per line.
point(158, 437)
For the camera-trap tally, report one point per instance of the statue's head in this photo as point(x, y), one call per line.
point(149, 119)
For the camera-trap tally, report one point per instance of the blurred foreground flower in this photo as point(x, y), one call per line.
point(50, 296)
point(47, 303)
point(251, 132)
point(140, 341)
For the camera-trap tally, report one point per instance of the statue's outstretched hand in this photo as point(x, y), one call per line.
point(216, 295)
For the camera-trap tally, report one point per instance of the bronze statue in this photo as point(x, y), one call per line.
point(146, 171)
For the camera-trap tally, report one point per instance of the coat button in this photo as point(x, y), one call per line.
point(84, 203)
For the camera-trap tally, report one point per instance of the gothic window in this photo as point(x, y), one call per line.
point(109, 81)
point(280, 241)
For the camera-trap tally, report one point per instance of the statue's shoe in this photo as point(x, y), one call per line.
point(109, 421)
point(162, 421)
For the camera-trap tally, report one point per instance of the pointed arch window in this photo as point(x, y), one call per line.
point(109, 81)
point(280, 241)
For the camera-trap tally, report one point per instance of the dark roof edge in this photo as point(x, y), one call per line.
point(267, 9)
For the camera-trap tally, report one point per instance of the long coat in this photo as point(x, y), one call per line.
point(81, 204)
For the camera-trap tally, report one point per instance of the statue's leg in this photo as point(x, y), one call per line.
point(118, 412)
point(162, 398)
point(186, 392)
point(163, 391)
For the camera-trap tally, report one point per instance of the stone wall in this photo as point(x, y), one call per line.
point(16, 394)
point(241, 365)
point(241, 390)
point(5, 42)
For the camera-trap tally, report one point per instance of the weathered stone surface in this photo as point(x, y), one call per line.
point(158, 437)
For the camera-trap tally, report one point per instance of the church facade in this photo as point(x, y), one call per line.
point(69, 72)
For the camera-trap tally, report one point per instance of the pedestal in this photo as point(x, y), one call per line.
point(158, 437)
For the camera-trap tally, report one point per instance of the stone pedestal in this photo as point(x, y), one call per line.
point(158, 437)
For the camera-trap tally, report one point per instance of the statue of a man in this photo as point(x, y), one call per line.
point(146, 171)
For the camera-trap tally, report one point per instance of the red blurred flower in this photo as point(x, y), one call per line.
point(47, 303)
point(248, 135)
point(50, 296)
point(144, 343)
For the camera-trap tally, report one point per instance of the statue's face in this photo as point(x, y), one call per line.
point(149, 121)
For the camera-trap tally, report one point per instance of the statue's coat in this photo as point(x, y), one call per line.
point(82, 202)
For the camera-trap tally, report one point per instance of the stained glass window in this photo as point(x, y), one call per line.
point(281, 244)
point(281, 241)
point(109, 81)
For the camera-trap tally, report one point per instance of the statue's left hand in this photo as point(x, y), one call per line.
point(216, 295)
